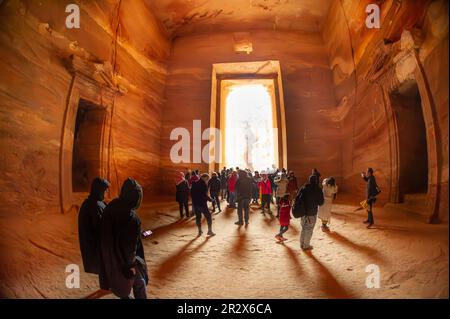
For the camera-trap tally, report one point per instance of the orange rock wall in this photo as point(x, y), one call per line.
point(362, 110)
point(35, 87)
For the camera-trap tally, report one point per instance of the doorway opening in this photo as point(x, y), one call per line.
point(86, 156)
point(413, 155)
point(251, 133)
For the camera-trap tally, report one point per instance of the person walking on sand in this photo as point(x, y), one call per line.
point(214, 190)
point(200, 198)
point(89, 222)
point(312, 196)
point(372, 190)
point(329, 189)
point(285, 217)
point(123, 266)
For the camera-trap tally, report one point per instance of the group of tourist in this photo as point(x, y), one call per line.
point(242, 188)
point(111, 238)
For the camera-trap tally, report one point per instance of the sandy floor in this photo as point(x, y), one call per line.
point(240, 262)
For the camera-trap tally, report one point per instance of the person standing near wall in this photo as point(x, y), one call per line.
point(182, 194)
point(123, 265)
point(312, 196)
point(200, 198)
point(372, 190)
point(89, 221)
point(329, 189)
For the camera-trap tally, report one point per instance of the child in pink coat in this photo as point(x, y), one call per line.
point(285, 216)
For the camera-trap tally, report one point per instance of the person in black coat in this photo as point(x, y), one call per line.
point(200, 198)
point(223, 184)
point(244, 191)
point(182, 194)
point(89, 220)
point(123, 266)
point(312, 196)
point(372, 190)
point(214, 187)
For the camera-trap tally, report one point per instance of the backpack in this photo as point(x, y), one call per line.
point(299, 209)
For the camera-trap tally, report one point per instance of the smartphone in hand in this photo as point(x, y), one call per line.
point(146, 233)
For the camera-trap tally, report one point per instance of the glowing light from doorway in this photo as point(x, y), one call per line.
point(249, 132)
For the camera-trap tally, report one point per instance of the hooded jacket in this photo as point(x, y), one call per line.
point(182, 190)
point(244, 186)
point(121, 245)
point(312, 196)
point(89, 220)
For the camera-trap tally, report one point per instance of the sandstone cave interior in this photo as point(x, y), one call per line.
point(325, 91)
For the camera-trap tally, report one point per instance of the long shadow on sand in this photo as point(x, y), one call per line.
point(354, 246)
point(175, 261)
point(327, 283)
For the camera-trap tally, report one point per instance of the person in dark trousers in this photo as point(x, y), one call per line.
point(244, 189)
point(123, 265)
point(265, 189)
point(200, 198)
point(214, 187)
point(312, 196)
point(372, 190)
point(182, 194)
point(223, 184)
point(89, 221)
point(232, 189)
point(255, 192)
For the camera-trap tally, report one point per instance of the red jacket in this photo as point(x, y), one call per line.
point(265, 187)
point(232, 182)
point(285, 213)
point(193, 179)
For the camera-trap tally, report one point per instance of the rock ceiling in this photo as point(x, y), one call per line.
point(184, 17)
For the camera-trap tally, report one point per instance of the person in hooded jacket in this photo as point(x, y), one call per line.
point(123, 265)
point(89, 221)
point(312, 196)
point(182, 194)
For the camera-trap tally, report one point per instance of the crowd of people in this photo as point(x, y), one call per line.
point(241, 188)
point(110, 234)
